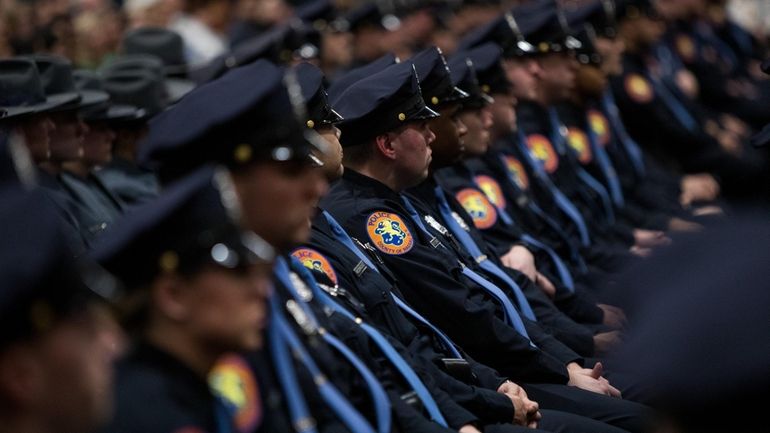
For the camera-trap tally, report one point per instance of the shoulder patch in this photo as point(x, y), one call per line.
point(233, 380)
point(478, 207)
point(578, 141)
point(492, 190)
point(315, 261)
point(541, 148)
point(388, 233)
point(516, 171)
point(639, 89)
point(600, 126)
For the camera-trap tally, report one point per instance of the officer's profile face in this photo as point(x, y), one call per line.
point(611, 51)
point(67, 136)
point(97, 144)
point(503, 114)
point(557, 79)
point(221, 309)
point(523, 74)
point(591, 81)
point(36, 130)
point(478, 121)
point(450, 131)
point(63, 378)
point(278, 199)
point(411, 151)
point(332, 158)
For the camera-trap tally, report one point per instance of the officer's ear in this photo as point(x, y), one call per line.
point(168, 296)
point(21, 381)
point(384, 145)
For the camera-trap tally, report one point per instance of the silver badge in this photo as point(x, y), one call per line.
point(436, 225)
point(460, 221)
point(302, 289)
point(302, 320)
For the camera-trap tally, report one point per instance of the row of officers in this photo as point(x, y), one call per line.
point(424, 245)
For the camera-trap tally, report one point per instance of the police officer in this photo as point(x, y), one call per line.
point(386, 137)
point(58, 341)
point(196, 288)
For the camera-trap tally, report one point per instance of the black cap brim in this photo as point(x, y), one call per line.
point(423, 114)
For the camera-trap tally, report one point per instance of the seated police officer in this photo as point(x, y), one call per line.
point(196, 286)
point(57, 342)
point(352, 279)
point(386, 138)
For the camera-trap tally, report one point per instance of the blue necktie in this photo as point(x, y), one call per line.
point(561, 268)
point(560, 141)
point(224, 415)
point(629, 145)
point(378, 394)
point(561, 200)
point(473, 249)
point(668, 97)
point(390, 352)
point(287, 376)
point(343, 237)
point(346, 412)
point(511, 314)
point(608, 170)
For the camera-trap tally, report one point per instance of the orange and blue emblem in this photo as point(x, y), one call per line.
point(600, 126)
point(578, 141)
point(541, 148)
point(516, 171)
point(315, 261)
point(233, 380)
point(389, 233)
point(492, 190)
point(639, 89)
point(479, 207)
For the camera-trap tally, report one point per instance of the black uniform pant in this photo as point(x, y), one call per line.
point(623, 414)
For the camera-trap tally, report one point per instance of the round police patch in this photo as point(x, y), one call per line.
point(478, 207)
point(541, 148)
point(578, 141)
point(315, 261)
point(517, 172)
point(600, 126)
point(233, 380)
point(639, 89)
point(492, 190)
point(388, 233)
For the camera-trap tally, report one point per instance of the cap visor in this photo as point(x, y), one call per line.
point(425, 113)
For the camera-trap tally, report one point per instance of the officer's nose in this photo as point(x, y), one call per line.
point(462, 128)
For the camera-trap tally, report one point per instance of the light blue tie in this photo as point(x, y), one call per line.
point(560, 141)
point(284, 367)
point(608, 170)
point(345, 411)
point(390, 352)
point(511, 314)
point(473, 249)
point(378, 394)
point(628, 144)
point(561, 200)
point(343, 237)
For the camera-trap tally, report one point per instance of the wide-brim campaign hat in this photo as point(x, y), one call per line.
point(21, 90)
point(56, 74)
point(165, 44)
point(175, 88)
point(108, 111)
